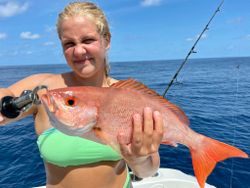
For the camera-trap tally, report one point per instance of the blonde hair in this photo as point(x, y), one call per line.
point(91, 11)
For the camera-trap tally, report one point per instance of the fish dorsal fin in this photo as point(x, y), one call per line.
point(143, 89)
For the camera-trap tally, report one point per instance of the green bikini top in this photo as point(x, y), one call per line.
point(63, 150)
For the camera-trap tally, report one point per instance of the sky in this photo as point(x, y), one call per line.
point(142, 30)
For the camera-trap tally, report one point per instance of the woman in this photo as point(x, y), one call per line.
point(76, 162)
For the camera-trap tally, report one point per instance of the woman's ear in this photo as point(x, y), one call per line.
point(107, 45)
point(107, 42)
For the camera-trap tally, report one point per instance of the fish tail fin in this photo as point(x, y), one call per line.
point(209, 152)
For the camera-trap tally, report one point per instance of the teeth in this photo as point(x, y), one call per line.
point(87, 57)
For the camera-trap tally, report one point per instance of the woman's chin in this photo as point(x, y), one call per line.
point(85, 72)
point(80, 65)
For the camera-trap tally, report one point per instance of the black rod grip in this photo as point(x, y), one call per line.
point(9, 108)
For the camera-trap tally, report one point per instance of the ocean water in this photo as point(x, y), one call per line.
point(214, 93)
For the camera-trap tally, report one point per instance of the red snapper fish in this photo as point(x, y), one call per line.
point(100, 114)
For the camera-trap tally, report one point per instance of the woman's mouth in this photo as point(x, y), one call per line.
point(82, 61)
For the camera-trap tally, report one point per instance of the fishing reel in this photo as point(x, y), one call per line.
point(11, 107)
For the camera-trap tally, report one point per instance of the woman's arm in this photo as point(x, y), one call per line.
point(142, 154)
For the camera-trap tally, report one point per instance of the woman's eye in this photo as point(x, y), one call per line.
point(88, 41)
point(68, 44)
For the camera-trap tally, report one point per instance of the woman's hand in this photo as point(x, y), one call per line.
point(1, 116)
point(147, 134)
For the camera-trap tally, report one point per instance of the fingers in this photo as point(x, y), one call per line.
point(146, 135)
point(147, 132)
point(1, 118)
point(124, 148)
point(158, 123)
point(137, 131)
point(148, 122)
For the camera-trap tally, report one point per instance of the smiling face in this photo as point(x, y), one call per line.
point(84, 48)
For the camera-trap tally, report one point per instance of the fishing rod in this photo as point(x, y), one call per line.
point(192, 49)
point(11, 107)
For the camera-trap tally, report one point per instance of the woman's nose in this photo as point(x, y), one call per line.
point(79, 50)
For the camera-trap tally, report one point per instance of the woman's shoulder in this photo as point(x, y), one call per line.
point(112, 81)
point(41, 77)
point(36, 79)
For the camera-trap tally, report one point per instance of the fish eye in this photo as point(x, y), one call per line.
point(70, 101)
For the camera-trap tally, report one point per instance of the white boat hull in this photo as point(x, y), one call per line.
point(167, 178)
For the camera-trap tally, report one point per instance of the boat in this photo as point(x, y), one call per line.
point(168, 178)
point(165, 178)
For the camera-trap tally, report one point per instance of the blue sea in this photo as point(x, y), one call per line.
point(214, 93)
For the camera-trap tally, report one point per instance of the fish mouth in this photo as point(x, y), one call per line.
point(49, 102)
point(67, 129)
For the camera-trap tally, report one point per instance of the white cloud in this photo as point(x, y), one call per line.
point(48, 43)
point(189, 39)
point(28, 52)
point(231, 47)
point(29, 35)
point(248, 37)
point(3, 36)
point(196, 37)
point(148, 3)
point(50, 29)
point(14, 53)
point(237, 20)
point(204, 36)
point(12, 8)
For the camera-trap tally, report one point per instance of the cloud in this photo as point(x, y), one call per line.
point(14, 53)
point(3, 36)
point(147, 3)
point(50, 29)
point(12, 8)
point(28, 52)
point(29, 35)
point(237, 20)
point(231, 47)
point(48, 43)
point(248, 37)
point(204, 36)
